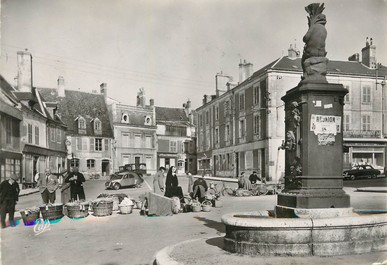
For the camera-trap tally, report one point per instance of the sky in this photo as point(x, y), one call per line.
point(171, 48)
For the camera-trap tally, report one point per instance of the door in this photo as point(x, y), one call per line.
point(237, 164)
point(105, 167)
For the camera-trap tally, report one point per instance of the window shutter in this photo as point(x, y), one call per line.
point(91, 144)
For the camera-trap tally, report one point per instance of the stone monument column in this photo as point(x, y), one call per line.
point(314, 133)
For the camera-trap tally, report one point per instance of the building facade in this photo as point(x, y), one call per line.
point(89, 135)
point(134, 133)
point(242, 129)
point(39, 153)
point(10, 119)
point(175, 130)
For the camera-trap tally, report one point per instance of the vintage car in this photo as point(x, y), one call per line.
point(139, 168)
point(361, 171)
point(124, 179)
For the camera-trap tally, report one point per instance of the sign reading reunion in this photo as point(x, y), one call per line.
point(325, 124)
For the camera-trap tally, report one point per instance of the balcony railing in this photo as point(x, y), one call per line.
point(362, 134)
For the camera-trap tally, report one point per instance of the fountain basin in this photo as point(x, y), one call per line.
point(258, 233)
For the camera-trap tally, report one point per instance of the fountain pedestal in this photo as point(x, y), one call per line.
point(313, 149)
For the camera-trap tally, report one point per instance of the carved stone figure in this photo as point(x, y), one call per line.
point(314, 62)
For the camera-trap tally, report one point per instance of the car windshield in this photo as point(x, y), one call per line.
point(115, 177)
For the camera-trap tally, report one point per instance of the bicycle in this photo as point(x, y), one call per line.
point(224, 191)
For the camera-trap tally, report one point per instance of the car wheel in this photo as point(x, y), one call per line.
point(352, 177)
point(116, 186)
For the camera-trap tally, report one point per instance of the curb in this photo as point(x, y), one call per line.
point(29, 193)
point(162, 257)
point(373, 189)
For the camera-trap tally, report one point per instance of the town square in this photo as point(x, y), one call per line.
point(193, 132)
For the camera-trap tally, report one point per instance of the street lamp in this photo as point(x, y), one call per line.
point(216, 81)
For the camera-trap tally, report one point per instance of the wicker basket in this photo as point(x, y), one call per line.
point(52, 211)
point(77, 211)
point(206, 206)
point(30, 216)
point(126, 209)
point(102, 208)
point(138, 204)
point(196, 207)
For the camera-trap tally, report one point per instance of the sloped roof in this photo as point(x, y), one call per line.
point(333, 67)
point(171, 114)
point(78, 103)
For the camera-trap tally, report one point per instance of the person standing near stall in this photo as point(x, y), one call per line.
point(159, 181)
point(9, 195)
point(48, 184)
point(172, 188)
point(76, 180)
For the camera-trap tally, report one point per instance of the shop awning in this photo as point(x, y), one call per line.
point(9, 154)
point(31, 149)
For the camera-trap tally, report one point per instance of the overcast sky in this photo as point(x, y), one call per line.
point(171, 48)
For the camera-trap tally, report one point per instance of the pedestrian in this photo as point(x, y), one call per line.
point(199, 189)
point(254, 178)
point(190, 183)
point(9, 195)
point(76, 180)
point(241, 181)
point(159, 181)
point(172, 188)
point(48, 184)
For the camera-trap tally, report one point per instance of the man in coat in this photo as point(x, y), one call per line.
point(76, 180)
point(9, 195)
point(48, 184)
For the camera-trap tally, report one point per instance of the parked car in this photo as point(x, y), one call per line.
point(124, 179)
point(139, 168)
point(361, 171)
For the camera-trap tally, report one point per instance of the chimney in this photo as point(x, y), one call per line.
point(61, 87)
point(103, 90)
point(141, 98)
point(368, 54)
point(293, 53)
point(204, 99)
point(354, 58)
point(245, 70)
point(151, 102)
point(24, 72)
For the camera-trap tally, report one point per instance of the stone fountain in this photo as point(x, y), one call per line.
point(313, 214)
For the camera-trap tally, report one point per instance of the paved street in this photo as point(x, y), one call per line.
point(129, 239)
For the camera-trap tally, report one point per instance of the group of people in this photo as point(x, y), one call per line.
point(169, 186)
point(248, 183)
point(47, 182)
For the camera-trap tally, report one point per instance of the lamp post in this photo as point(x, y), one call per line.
point(382, 83)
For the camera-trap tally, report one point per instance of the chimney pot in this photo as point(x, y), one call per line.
point(61, 87)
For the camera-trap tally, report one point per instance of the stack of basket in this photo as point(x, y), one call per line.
point(30, 216)
point(77, 209)
point(52, 211)
point(102, 207)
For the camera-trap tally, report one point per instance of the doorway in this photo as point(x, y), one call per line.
point(105, 167)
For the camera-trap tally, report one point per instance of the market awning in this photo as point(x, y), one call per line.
point(31, 149)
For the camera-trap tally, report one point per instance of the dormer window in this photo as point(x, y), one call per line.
point(81, 125)
point(97, 126)
point(124, 118)
point(148, 120)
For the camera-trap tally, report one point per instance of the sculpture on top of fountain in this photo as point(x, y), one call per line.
point(314, 62)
